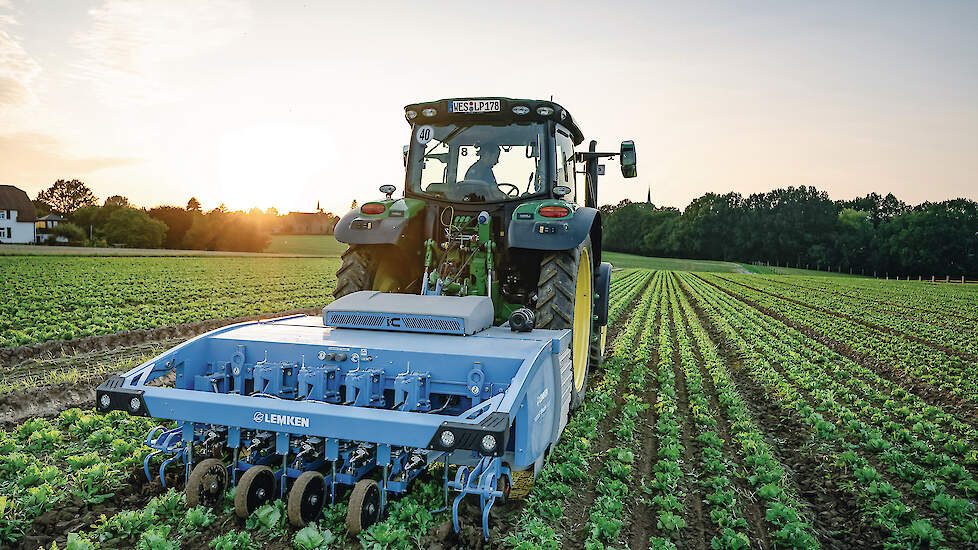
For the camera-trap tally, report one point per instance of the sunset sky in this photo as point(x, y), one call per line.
point(286, 103)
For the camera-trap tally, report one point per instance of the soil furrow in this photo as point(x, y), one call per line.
point(642, 521)
point(694, 536)
point(751, 508)
point(572, 529)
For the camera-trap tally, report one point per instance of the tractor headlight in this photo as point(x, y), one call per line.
point(489, 443)
point(447, 439)
point(411, 114)
point(521, 110)
point(545, 111)
point(134, 404)
point(429, 112)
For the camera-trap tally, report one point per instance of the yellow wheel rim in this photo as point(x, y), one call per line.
point(582, 320)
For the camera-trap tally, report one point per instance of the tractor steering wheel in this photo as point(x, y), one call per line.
point(513, 190)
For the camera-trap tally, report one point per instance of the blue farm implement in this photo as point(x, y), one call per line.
point(366, 396)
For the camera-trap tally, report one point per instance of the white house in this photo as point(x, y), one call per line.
point(17, 216)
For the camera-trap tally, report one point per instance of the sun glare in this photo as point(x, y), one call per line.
point(284, 166)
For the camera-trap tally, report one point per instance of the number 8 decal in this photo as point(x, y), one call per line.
point(424, 134)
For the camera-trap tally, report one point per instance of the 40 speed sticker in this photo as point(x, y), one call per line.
point(424, 134)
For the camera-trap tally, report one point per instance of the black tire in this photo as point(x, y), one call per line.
point(207, 483)
point(255, 489)
point(364, 509)
point(306, 499)
point(355, 273)
point(556, 292)
point(374, 267)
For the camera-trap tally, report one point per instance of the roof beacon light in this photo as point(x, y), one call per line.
point(521, 110)
point(545, 111)
point(429, 112)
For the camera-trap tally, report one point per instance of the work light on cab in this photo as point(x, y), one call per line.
point(373, 208)
point(554, 211)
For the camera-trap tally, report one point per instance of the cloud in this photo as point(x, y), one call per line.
point(132, 45)
point(17, 69)
point(32, 161)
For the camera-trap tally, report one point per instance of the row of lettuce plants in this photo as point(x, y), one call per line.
point(953, 331)
point(950, 373)
point(761, 469)
point(616, 481)
point(569, 464)
point(715, 469)
point(882, 501)
point(907, 454)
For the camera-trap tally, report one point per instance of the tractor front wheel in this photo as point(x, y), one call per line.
point(565, 300)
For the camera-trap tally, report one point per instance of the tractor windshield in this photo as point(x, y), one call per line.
point(477, 163)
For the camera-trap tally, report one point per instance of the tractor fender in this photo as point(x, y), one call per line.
point(557, 234)
point(355, 228)
point(602, 288)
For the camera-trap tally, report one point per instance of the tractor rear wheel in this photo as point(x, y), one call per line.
point(565, 300)
point(370, 268)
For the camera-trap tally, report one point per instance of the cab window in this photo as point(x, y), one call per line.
point(565, 163)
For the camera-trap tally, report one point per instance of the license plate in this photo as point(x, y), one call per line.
point(475, 106)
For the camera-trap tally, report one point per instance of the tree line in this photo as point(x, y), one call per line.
point(118, 223)
point(803, 227)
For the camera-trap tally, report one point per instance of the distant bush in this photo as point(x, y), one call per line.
point(134, 228)
point(70, 231)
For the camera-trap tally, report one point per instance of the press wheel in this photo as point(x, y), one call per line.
point(364, 509)
point(206, 484)
point(255, 488)
point(306, 499)
point(502, 484)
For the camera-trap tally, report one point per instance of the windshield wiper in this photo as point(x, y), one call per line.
point(450, 135)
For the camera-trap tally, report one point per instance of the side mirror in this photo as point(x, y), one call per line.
point(628, 168)
point(561, 190)
point(404, 152)
point(388, 190)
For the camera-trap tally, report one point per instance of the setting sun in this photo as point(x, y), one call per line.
point(259, 165)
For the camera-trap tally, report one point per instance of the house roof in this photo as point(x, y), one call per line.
point(12, 198)
point(51, 217)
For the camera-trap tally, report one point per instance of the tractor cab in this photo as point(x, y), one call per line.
point(493, 150)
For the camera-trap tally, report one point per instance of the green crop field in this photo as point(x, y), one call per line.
point(733, 411)
point(61, 297)
point(620, 259)
point(314, 245)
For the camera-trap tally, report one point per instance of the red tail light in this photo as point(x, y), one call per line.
point(554, 211)
point(373, 208)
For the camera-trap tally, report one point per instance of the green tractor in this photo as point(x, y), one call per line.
point(492, 207)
